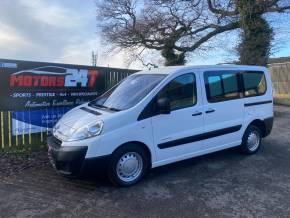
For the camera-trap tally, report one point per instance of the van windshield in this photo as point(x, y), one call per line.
point(128, 92)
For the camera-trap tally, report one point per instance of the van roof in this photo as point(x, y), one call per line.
point(175, 69)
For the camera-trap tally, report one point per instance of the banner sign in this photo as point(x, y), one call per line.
point(38, 93)
point(33, 121)
point(34, 85)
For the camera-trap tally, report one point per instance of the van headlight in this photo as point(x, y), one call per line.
point(86, 132)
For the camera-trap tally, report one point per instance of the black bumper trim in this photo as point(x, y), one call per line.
point(71, 161)
point(96, 164)
point(67, 160)
point(268, 125)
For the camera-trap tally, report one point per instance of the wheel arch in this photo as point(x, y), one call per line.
point(141, 144)
point(260, 124)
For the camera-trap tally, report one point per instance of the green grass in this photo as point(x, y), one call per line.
point(22, 150)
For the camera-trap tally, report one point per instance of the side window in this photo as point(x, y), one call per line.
point(231, 85)
point(181, 92)
point(254, 83)
point(215, 86)
point(222, 86)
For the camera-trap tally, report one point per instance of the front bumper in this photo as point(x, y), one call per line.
point(70, 160)
point(67, 160)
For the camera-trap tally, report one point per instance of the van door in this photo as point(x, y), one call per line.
point(223, 109)
point(174, 133)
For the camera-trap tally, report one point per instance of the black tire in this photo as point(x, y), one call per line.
point(118, 154)
point(247, 147)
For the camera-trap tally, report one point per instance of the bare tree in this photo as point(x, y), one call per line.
point(173, 27)
point(256, 34)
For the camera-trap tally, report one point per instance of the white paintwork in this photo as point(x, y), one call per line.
point(227, 114)
point(178, 124)
point(123, 127)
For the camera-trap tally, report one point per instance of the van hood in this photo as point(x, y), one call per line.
point(83, 115)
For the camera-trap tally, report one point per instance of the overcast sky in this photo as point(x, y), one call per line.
point(65, 31)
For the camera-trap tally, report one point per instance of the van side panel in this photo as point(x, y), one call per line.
point(260, 107)
point(223, 108)
point(140, 131)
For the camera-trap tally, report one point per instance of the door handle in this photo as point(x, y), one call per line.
point(210, 111)
point(197, 113)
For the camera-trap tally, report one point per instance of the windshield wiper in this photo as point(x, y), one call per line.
point(103, 106)
point(113, 109)
point(92, 104)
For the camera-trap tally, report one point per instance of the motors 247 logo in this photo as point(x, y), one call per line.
point(53, 76)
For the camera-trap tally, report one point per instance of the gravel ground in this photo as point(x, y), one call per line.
point(14, 163)
point(223, 184)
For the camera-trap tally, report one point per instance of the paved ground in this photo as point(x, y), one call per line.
point(224, 184)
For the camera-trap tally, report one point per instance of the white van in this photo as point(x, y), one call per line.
point(161, 116)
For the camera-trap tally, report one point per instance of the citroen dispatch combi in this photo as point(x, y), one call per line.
point(161, 116)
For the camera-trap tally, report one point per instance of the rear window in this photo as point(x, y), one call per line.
point(254, 83)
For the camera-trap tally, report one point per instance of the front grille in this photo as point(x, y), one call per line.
point(54, 142)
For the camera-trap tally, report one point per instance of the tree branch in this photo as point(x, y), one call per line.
point(222, 12)
point(204, 39)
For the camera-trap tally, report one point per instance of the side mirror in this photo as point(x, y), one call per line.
point(163, 106)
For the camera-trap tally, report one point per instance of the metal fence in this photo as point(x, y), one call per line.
point(8, 140)
point(113, 77)
point(280, 74)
